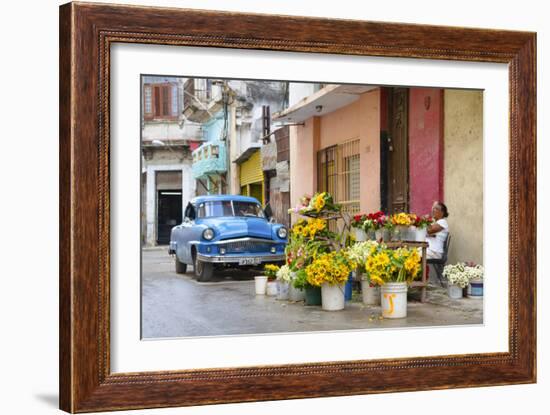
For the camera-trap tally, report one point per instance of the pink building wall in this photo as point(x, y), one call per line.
point(304, 143)
point(358, 120)
point(426, 175)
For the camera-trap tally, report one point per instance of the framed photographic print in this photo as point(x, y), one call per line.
point(259, 207)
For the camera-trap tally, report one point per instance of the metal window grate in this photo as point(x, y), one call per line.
point(338, 173)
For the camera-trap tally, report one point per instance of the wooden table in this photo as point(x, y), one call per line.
point(424, 245)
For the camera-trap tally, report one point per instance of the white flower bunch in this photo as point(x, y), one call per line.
point(461, 274)
point(474, 273)
point(283, 274)
point(360, 251)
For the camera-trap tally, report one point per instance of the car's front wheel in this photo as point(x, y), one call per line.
point(203, 270)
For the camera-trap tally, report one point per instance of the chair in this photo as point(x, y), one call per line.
point(439, 263)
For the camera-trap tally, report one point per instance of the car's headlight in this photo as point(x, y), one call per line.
point(281, 233)
point(208, 234)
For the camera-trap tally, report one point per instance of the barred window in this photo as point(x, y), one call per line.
point(338, 173)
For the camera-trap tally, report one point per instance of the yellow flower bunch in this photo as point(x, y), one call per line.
point(379, 267)
point(319, 201)
point(332, 268)
point(403, 219)
point(270, 270)
point(309, 228)
point(411, 261)
point(397, 265)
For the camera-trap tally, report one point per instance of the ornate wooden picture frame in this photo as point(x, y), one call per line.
point(87, 32)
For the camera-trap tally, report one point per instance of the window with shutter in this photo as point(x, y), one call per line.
point(160, 101)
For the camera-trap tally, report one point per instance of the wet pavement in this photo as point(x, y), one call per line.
point(175, 305)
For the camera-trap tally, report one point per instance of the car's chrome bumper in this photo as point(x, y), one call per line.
point(229, 259)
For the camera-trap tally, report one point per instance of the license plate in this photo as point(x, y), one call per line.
point(249, 261)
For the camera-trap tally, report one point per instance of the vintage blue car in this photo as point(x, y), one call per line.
point(226, 231)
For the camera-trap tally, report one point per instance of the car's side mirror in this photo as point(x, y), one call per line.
point(268, 212)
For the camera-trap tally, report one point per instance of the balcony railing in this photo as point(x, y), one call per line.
point(209, 159)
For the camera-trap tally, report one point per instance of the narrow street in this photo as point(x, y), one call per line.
point(175, 305)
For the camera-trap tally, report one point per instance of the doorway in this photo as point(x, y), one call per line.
point(398, 151)
point(169, 214)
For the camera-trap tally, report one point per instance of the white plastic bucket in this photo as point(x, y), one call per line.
point(420, 234)
point(371, 295)
point(332, 297)
point(271, 288)
point(260, 284)
point(360, 235)
point(393, 297)
point(455, 292)
point(295, 294)
point(282, 290)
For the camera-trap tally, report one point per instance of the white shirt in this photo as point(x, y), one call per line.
point(436, 242)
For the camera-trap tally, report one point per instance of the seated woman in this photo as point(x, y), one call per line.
point(437, 232)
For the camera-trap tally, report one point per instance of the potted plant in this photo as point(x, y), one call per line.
point(475, 275)
point(402, 222)
point(330, 271)
point(384, 228)
point(421, 227)
point(270, 271)
point(303, 245)
point(393, 270)
point(457, 279)
point(283, 282)
point(357, 224)
point(359, 253)
point(462, 275)
point(298, 283)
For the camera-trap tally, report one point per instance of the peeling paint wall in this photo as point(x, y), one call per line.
point(463, 166)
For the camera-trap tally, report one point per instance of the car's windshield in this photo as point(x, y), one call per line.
point(229, 208)
point(248, 209)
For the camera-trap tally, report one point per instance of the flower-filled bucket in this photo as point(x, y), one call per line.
point(455, 292)
point(332, 297)
point(282, 290)
point(370, 292)
point(393, 298)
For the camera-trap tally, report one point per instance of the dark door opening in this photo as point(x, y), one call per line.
point(169, 214)
point(398, 152)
